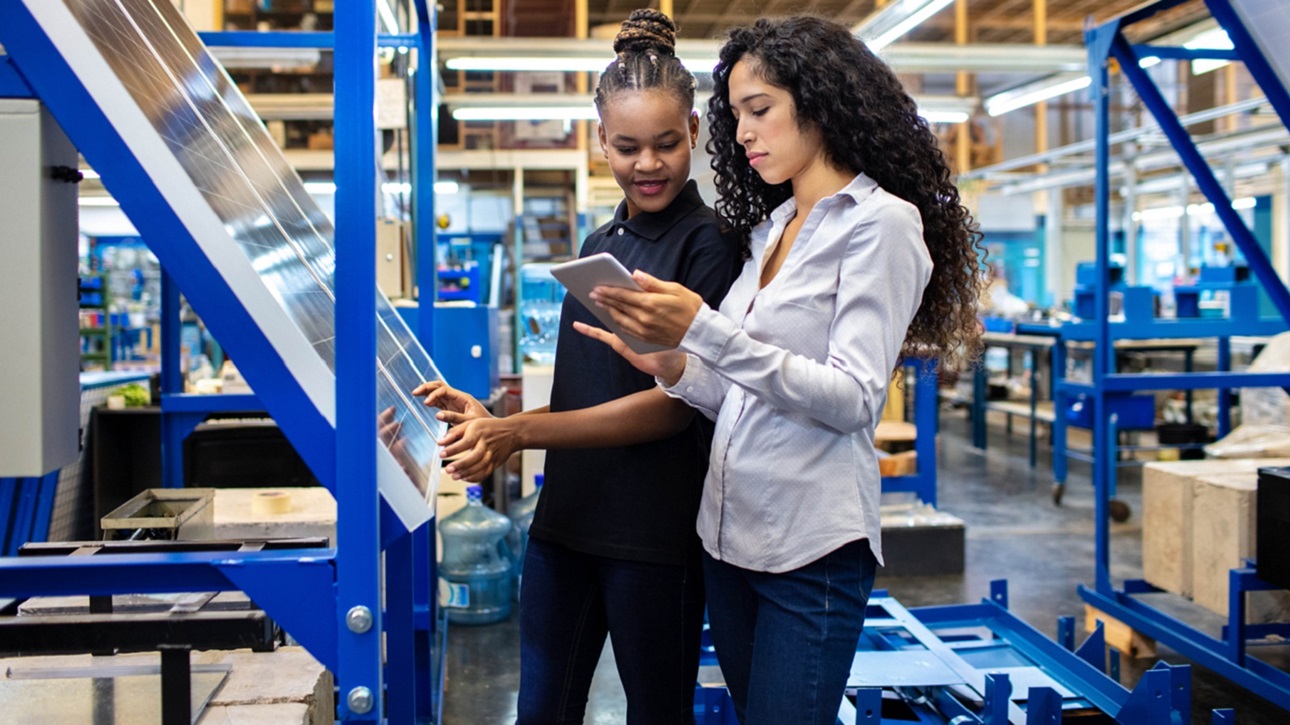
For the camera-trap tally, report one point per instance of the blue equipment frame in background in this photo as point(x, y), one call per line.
point(1225, 655)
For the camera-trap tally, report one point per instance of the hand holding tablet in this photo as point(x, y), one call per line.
point(583, 275)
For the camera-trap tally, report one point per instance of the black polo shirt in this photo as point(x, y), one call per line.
point(636, 502)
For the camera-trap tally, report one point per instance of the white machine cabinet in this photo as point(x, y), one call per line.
point(39, 332)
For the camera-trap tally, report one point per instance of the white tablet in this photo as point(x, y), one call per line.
point(583, 275)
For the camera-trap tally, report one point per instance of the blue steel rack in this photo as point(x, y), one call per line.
point(980, 663)
point(330, 600)
point(922, 483)
point(1226, 655)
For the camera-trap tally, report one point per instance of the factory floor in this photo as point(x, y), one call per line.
point(1014, 532)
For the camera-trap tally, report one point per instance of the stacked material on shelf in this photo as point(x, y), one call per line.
point(1198, 522)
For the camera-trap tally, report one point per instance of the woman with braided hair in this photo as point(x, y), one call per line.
point(860, 253)
point(613, 549)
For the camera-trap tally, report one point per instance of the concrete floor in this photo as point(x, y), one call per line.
point(1014, 532)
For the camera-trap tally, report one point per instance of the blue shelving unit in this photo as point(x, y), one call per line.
point(331, 600)
point(1225, 655)
point(926, 422)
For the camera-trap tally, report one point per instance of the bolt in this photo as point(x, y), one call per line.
point(360, 700)
point(359, 619)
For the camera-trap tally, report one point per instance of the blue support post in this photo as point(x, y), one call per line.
point(424, 141)
point(1059, 418)
point(400, 667)
point(429, 690)
point(1224, 394)
point(1043, 707)
point(1066, 632)
point(998, 695)
point(358, 604)
point(980, 383)
point(869, 706)
point(428, 693)
point(1093, 649)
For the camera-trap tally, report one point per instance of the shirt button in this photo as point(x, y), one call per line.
point(689, 388)
point(620, 231)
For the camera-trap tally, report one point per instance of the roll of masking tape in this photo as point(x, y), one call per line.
point(268, 503)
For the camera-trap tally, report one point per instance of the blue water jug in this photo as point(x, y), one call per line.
point(475, 574)
point(521, 515)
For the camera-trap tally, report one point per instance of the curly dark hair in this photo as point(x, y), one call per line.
point(646, 48)
point(870, 125)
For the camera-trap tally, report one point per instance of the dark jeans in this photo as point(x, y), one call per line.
point(786, 641)
point(570, 601)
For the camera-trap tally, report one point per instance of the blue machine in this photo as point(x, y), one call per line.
point(178, 146)
point(465, 344)
point(1256, 29)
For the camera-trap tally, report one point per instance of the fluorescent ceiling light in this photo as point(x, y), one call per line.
point(556, 63)
point(896, 19)
point(943, 116)
point(389, 187)
point(1215, 39)
point(1173, 212)
point(89, 174)
point(1031, 93)
point(268, 58)
point(97, 201)
point(526, 113)
point(700, 55)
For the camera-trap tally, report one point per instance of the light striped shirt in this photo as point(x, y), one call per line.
point(796, 376)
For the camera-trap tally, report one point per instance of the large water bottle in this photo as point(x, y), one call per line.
point(521, 515)
point(475, 574)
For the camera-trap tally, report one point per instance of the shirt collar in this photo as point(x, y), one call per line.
point(652, 225)
point(858, 189)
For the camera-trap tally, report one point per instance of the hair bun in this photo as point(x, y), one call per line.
point(644, 30)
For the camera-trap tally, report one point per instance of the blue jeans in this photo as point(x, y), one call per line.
point(570, 601)
point(786, 641)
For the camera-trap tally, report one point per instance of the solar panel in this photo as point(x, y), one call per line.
point(1269, 23)
point(167, 97)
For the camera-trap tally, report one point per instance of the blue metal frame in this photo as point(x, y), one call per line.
point(1226, 656)
point(926, 422)
point(359, 582)
point(12, 84)
point(968, 644)
point(331, 582)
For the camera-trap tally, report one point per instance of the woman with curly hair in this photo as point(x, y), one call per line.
point(860, 252)
point(612, 550)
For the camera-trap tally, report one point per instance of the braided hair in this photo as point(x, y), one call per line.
point(870, 125)
point(646, 48)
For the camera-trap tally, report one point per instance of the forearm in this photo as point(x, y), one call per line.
point(642, 417)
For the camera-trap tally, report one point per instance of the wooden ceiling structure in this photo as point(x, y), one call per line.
point(989, 21)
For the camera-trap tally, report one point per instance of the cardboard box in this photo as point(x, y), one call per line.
point(904, 463)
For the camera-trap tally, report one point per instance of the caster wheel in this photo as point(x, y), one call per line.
point(1059, 490)
point(1118, 510)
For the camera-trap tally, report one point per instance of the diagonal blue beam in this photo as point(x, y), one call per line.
point(1201, 172)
